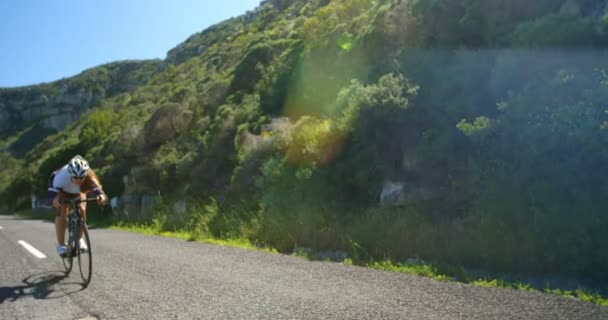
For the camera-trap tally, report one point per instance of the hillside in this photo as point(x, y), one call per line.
point(469, 132)
point(33, 112)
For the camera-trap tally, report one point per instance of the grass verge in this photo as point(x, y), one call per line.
point(430, 271)
point(151, 229)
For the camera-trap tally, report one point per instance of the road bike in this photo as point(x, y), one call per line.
point(75, 227)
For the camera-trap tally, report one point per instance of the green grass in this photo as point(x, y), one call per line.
point(592, 297)
point(151, 229)
point(425, 270)
point(430, 271)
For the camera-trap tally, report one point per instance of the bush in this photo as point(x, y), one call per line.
point(556, 30)
point(312, 142)
point(536, 177)
point(250, 68)
point(368, 118)
point(29, 139)
point(95, 127)
point(17, 195)
point(8, 163)
point(337, 17)
point(276, 79)
point(165, 124)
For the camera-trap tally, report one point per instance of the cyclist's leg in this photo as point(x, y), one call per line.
point(83, 212)
point(60, 224)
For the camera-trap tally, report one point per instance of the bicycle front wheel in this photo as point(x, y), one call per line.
point(85, 257)
point(68, 257)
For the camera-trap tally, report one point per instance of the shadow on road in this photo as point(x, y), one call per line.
point(46, 285)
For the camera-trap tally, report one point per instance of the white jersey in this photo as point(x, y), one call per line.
point(63, 182)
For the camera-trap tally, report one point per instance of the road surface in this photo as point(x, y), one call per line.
point(146, 277)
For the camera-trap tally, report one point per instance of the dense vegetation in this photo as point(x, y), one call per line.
point(282, 125)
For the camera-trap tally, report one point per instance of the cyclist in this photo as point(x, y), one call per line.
point(72, 180)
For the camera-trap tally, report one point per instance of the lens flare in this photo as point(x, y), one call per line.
point(347, 42)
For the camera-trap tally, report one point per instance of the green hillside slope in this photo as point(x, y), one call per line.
point(461, 131)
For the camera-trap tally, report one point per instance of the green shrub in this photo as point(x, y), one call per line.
point(556, 31)
point(28, 139)
point(250, 68)
point(276, 79)
point(535, 193)
point(17, 195)
point(96, 127)
point(367, 119)
point(166, 124)
point(478, 126)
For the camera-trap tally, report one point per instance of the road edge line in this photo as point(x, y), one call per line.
point(32, 250)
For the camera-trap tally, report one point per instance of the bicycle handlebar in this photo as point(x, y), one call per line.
point(77, 200)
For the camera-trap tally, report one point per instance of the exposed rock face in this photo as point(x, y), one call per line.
point(599, 15)
point(43, 107)
point(570, 7)
point(594, 10)
point(21, 107)
point(59, 121)
point(52, 106)
point(391, 192)
point(400, 194)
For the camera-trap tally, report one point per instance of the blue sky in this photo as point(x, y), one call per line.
point(43, 41)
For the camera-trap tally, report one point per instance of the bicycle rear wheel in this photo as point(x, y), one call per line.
point(85, 257)
point(68, 257)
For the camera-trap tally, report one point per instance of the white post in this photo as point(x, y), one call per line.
point(114, 203)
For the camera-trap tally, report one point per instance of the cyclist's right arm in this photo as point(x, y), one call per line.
point(54, 197)
point(54, 191)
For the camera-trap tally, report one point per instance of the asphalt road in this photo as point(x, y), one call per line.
point(145, 277)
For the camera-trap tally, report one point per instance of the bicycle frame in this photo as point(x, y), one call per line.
point(74, 216)
point(76, 227)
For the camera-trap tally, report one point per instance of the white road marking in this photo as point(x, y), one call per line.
point(1, 228)
point(32, 250)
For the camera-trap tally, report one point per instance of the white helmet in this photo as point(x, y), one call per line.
point(78, 167)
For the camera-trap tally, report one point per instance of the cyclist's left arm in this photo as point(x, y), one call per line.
point(101, 196)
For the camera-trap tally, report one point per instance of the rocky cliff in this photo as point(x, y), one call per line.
point(38, 110)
